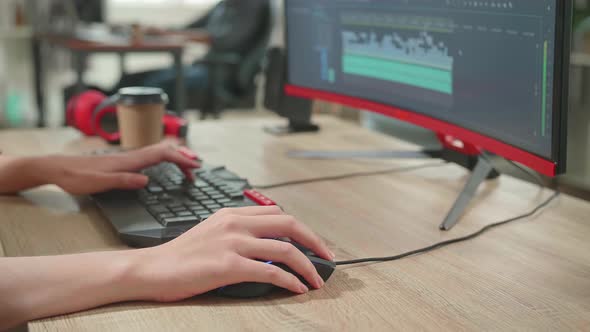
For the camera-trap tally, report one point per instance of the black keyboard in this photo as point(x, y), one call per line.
point(170, 205)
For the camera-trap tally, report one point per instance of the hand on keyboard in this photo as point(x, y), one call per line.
point(228, 248)
point(94, 174)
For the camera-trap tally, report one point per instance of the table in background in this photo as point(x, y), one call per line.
point(80, 48)
point(530, 275)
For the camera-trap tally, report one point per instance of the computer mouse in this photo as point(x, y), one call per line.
point(324, 267)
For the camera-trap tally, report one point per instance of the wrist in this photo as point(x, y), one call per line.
point(19, 173)
point(33, 170)
point(138, 276)
point(130, 273)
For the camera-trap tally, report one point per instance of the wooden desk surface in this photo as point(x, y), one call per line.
point(531, 275)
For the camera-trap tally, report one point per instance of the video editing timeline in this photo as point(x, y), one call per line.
point(413, 59)
point(484, 65)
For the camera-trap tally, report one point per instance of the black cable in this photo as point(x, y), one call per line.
point(452, 241)
point(349, 175)
point(471, 236)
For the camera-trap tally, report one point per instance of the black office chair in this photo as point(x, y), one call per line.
point(232, 76)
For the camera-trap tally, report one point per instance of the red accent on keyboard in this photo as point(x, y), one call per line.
point(258, 198)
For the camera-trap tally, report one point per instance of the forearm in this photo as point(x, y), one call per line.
point(38, 287)
point(19, 173)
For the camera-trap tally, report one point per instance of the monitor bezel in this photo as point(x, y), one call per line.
point(548, 166)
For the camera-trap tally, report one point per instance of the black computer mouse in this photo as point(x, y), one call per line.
point(324, 267)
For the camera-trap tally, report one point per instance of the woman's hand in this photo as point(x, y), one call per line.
point(231, 247)
point(225, 249)
point(93, 174)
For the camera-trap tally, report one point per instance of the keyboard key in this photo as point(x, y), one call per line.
point(180, 220)
point(205, 215)
point(155, 189)
point(165, 198)
point(217, 196)
point(230, 204)
point(236, 195)
point(223, 200)
point(201, 211)
point(179, 209)
point(157, 209)
point(201, 184)
point(165, 215)
point(206, 202)
point(172, 187)
point(214, 207)
point(175, 205)
point(184, 213)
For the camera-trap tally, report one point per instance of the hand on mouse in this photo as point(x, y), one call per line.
point(228, 248)
point(92, 174)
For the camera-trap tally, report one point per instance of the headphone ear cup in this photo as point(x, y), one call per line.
point(80, 111)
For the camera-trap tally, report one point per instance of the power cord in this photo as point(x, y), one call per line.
point(349, 175)
point(471, 236)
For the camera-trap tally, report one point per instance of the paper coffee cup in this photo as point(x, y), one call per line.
point(140, 112)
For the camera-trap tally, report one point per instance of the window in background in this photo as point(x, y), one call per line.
point(163, 13)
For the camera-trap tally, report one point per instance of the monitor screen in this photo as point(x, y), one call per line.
point(486, 66)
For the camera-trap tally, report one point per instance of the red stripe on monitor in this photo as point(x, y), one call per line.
point(535, 162)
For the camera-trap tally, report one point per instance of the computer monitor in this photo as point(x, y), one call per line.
point(486, 75)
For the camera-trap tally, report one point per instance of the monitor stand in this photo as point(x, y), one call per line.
point(480, 167)
point(292, 128)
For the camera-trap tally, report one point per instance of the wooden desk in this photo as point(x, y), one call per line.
point(531, 275)
point(80, 48)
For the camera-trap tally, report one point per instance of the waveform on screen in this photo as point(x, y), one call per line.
point(418, 60)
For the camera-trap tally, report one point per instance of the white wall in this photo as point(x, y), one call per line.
point(162, 13)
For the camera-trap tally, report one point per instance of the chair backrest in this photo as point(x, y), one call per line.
point(252, 60)
point(241, 80)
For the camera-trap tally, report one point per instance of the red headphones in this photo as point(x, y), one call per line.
point(95, 114)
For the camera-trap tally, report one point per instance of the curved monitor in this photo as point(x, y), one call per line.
point(492, 74)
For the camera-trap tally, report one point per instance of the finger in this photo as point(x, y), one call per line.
point(184, 161)
point(188, 153)
point(95, 182)
point(283, 252)
point(254, 211)
point(287, 226)
point(255, 271)
point(155, 154)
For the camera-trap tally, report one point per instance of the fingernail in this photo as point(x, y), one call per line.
point(303, 289)
point(319, 281)
point(138, 180)
point(333, 255)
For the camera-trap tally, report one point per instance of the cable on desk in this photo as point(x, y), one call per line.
point(350, 175)
point(471, 236)
point(452, 241)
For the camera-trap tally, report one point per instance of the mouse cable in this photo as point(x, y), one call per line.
point(452, 241)
point(471, 236)
point(350, 175)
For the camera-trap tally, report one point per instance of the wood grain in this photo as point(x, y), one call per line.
point(531, 275)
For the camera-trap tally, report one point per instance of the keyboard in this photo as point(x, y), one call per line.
point(170, 205)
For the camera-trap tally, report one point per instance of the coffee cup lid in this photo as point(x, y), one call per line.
point(142, 95)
